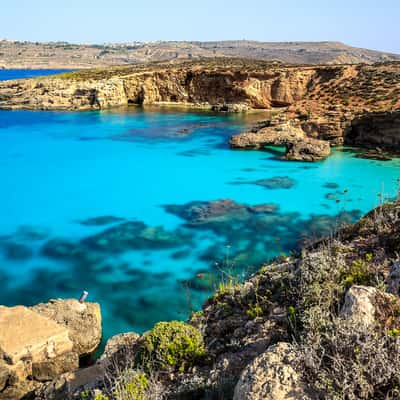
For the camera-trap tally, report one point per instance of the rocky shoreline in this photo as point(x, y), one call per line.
point(316, 106)
point(320, 324)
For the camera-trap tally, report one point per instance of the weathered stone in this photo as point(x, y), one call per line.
point(122, 343)
point(308, 149)
point(5, 374)
point(271, 376)
point(26, 334)
point(393, 280)
point(81, 320)
point(71, 384)
point(49, 369)
point(278, 133)
point(362, 304)
point(32, 346)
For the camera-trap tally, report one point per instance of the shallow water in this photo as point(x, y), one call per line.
point(147, 258)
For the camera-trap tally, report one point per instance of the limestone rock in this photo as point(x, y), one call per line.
point(71, 384)
point(271, 377)
point(230, 108)
point(308, 149)
point(119, 343)
point(40, 343)
point(277, 134)
point(393, 280)
point(32, 346)
point(82, 321)
point(362, 304)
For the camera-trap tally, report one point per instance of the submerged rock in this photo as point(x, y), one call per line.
point(198, 212)
point(17, 251)
point(276, 182)
point(134, 236)
point(99, 221)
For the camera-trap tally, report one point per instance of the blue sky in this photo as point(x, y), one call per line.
point(367, 23)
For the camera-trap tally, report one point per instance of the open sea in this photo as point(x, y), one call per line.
point(117, 203)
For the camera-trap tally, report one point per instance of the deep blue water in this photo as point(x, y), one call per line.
point(141, 168)
point(8, 74)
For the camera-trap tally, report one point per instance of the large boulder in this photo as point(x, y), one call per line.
point(82, 321)
point(271, 376)
point(308, 149)
point(277, 134)
point(40, 343)
point(362, 304)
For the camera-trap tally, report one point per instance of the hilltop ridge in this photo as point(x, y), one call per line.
point(35, 55)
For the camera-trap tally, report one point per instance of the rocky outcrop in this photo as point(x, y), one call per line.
point(375, 129)
point(271, 376)
point(40, 343)
point(308, 149)
point(299, 147)
point(363, 304)
point(82, 320)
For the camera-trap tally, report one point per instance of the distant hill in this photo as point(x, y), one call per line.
point(14, 54)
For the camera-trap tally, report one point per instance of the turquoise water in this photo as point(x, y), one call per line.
point(102, 201)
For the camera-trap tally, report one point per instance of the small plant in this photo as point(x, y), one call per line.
point(85, 394)
point(395, 332)
point(358, 274)
point(132, 385)
point(254, 311)
point(171, 344)
point(101, 396)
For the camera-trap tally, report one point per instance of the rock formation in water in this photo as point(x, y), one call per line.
point(320, 324)
point(351, 104)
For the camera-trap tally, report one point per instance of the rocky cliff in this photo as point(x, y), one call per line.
point(355, 104)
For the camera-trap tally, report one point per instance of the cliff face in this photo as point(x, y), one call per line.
point(273, 87)
point(331, 103)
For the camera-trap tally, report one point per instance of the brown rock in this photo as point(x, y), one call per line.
point(271, 376)
point(308, 149)
point(277, 134)
point(82, 321)
point(362, 304)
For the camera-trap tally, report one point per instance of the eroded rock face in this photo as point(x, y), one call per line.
point(271, 376)
point(375, 129)
point(40, 343)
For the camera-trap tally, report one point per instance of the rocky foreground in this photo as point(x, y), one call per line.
point(321, 324)
point(316, 106)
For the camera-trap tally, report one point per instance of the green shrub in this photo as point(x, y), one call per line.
point(171, 344)
point(254, 311)
point(358, 273)
point(132, 385)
